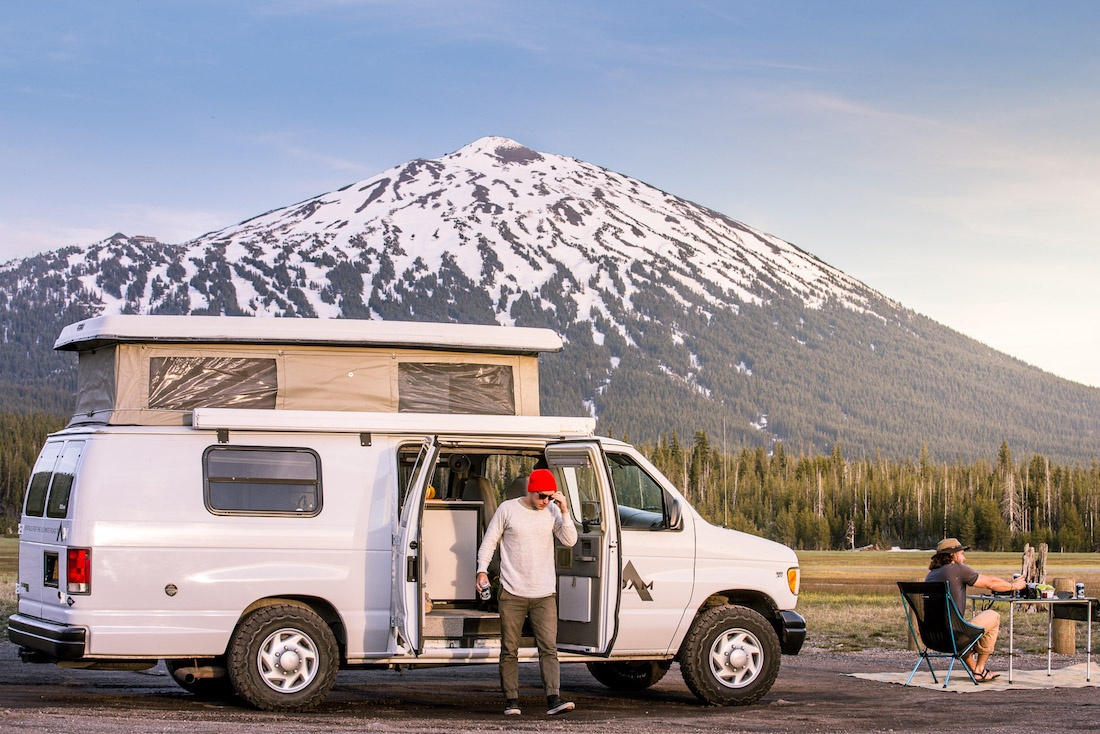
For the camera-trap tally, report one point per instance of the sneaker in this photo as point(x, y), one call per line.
point(511, 707)
point(555, 705)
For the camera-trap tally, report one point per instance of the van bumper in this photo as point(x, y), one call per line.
point(57, 641)
point(794, 632)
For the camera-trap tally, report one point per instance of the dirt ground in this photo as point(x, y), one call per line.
point(812, 694)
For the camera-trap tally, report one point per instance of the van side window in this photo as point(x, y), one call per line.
point(487, 389)
point(262, 481)
point(63, 475)
point(40, 479)
point(183, 383)
point(640, 498)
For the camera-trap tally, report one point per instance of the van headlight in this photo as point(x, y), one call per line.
point(794, 579)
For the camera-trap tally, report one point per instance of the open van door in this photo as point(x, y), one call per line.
point(589, 573)
point(407, 603)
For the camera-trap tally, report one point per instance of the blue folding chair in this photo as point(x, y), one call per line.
point(943, 633)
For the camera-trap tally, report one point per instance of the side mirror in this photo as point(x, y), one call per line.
point(675, 514)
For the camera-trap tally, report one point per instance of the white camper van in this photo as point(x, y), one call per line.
point(262, 502)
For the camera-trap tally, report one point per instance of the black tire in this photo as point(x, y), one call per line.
point(730, 656)
point(262, 643)
point(629, 675)
point(207, 688)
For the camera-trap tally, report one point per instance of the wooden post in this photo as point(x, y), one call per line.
point(1063, 631)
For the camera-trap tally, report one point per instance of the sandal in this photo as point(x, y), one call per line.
point(986, 676)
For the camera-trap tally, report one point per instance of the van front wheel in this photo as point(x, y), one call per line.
point(283, 658)
point(730, 656)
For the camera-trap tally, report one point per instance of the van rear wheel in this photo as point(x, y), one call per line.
point(730, 656)
point(283, 658)
point(629, 675)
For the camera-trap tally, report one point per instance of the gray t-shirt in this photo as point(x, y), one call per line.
point(958, 576)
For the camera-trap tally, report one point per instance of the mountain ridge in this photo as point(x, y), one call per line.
point(676, 317)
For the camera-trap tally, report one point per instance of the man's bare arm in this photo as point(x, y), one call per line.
point(994, 583)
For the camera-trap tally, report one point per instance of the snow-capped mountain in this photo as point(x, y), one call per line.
point(506, 217)
point(676, 317)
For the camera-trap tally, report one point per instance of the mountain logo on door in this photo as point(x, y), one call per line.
point(633, 580)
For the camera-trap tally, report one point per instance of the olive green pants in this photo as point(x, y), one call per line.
point(544, 623)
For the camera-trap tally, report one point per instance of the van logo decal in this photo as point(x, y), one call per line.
point(633, 580)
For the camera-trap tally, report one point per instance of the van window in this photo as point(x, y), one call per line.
point(486, 389)
point(39, 485)
point(184, 383)
point(63, 475)
point(640, 498)
point(262, 481)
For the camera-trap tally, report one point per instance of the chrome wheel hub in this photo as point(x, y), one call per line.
point(736, 658)
point(287, 660)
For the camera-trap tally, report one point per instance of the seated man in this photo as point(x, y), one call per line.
point(949, 564)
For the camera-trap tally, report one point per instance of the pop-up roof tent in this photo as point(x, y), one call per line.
point(154, 370)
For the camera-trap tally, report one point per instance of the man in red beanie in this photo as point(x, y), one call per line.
point(525, 529)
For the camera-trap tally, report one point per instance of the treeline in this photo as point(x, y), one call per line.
point(21, 438)
point(806, 502)
point(832, 502)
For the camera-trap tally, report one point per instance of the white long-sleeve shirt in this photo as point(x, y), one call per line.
point(526, 539)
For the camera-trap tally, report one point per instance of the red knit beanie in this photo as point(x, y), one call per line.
point(542, 480)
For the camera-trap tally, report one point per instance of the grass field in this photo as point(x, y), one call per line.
point(850, 600)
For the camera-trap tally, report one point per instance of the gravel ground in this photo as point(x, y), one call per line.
point(812, 694)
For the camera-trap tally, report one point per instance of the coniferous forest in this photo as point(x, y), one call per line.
point(806, 502)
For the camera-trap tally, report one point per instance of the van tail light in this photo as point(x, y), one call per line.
point(78, 571)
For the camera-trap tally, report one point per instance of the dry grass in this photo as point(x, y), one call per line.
point(851, 601)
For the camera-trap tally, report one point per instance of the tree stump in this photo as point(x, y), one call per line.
point(1027, 565)
point(1064, 631)
point(1034, 570)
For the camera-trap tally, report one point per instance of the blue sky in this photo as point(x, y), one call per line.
point(945, 153)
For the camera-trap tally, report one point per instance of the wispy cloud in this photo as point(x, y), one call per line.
point(283, 144)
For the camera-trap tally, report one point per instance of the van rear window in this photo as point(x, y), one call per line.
point(262, 481)
point(57, 505)
point(40, 479)
point(52, 479)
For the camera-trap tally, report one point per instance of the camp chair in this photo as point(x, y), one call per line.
point(943, 633)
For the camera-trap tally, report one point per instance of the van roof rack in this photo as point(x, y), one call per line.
point(101, 331)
